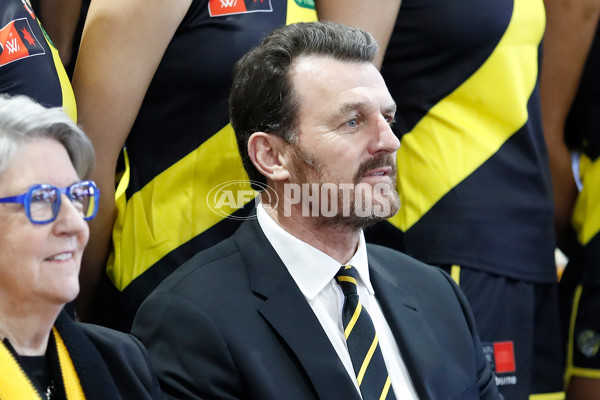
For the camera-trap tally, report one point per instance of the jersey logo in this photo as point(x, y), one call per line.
point(504, 357)
point(17, 41)
point(588, 343)
point(218, 8)
point(501, 357)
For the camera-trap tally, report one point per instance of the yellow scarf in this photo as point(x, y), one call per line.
point(16, 385)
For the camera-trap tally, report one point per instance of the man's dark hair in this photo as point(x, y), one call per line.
point(262, 98)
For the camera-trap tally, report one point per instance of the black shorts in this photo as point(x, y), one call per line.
point(582, 324)
point(519, 325)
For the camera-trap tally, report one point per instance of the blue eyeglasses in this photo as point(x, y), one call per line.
point(42, 202)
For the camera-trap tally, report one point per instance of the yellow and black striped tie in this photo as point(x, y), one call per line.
point(363, 343)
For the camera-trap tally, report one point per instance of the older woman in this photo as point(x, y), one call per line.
point(44, 205)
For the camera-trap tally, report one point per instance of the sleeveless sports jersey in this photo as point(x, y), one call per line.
point(582, 133)
point(473, 172)
point(29, 62)
point(182, 147)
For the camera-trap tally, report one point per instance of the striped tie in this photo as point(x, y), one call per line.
point(363, 343)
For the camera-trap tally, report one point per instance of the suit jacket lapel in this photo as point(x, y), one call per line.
point(288, 312)
point(418, 345)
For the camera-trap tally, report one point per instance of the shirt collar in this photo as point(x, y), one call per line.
point(310, 268)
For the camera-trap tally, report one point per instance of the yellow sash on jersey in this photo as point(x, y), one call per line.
point(467, 127)
point(16, 385)
point(586, 214)
point(68, 97)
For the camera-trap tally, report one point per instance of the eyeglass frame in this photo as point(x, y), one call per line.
point(25, 199)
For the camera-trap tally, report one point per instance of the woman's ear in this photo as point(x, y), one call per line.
point(267, 153)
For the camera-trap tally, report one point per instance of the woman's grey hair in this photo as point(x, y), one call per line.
point(22, 121)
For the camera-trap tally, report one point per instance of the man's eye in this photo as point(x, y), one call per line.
point(389, 120)
point(352, 123)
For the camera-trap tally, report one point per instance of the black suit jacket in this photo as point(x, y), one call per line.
point(231, 323)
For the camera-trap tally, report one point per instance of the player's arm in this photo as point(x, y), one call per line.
point(121, 47)
point(375, 16)
point(570, 29)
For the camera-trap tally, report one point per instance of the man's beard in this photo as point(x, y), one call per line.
point(363, 205)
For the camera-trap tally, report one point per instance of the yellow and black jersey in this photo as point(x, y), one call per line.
point(182, 146)
point(29, 62)
point(582, 134)
point(473, 172)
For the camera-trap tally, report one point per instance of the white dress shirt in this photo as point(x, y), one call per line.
point(314, 272)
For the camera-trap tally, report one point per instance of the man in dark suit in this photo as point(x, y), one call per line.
point(295, 305)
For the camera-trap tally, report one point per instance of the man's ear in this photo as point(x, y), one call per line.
point(267, 153)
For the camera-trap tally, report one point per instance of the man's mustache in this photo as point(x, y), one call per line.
point(383, 160)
